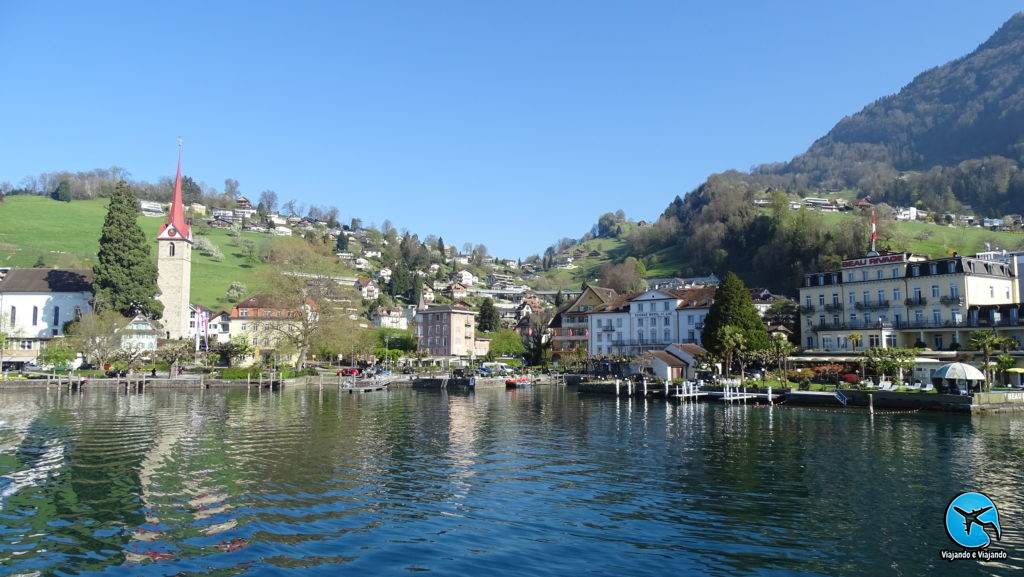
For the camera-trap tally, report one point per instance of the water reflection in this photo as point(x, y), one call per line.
point(508, 482)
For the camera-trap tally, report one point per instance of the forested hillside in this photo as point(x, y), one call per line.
point(950, 142)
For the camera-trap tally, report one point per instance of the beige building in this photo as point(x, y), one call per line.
point(905, 300)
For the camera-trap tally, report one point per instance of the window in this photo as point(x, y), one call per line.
point(938, 341)
point(917, 294)
point(14, 315)
point(810, 342)
point(243, 312)
point(937, 317)
point(915, 271)
point(863, 275)
point(874, 341)
point(895, 272)
point(666, 323)
point(849, 277)
point(935, 291)
point(56, 316)
point(897, 294)
point(954, 291)
point(879, 274)
point(991, 291)
point(26, 345)
point(951, 266)
point(881, 296)
point(170, 249)
point(618, 322)
point(668, 335)
point(664, 306)
point(35, 316)
point(866, 297)
point(933, 268)
point(640, 307)
point(639, 322)
point(853, 297)
point(255, 341)
point(821, 300)
point(835, 298)
point(807, 301)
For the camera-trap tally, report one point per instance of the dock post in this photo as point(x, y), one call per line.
point(769, 395)
point(871, 403)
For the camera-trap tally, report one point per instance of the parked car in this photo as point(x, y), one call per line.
point(383, 372)
point(407, 371)
point(349, 372)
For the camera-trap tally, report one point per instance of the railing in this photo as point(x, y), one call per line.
point(608, 329)
point(952, 300)
point(872, 305)
point(965, 324)
point(916, 301)
point(807, 309)
point(854, 325)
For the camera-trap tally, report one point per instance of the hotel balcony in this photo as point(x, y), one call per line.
point(872, 305)
point(955, 301)
point(915, 301)
point(834, 307)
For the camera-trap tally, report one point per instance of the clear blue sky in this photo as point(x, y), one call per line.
point(508, 124)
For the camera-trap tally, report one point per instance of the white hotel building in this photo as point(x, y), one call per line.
point(906, 300)
point(653, 320)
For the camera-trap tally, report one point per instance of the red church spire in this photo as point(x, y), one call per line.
point(176, 228)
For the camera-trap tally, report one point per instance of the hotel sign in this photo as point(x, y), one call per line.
point(873, 260)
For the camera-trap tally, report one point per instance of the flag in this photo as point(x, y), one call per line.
point(874, 230)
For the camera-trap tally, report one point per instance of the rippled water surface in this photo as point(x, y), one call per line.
point(310, 481)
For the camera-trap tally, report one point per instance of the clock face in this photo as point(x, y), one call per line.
point(171, 232)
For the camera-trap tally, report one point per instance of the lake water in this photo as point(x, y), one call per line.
point(530, 482)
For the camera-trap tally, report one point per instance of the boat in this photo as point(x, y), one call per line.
point(517, 383)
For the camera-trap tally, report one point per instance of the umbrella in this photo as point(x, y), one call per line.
point(958, 371)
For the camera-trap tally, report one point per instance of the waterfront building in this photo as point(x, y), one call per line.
point(569, 327)
point(270, 324)
point(449, 332)
point(174, 265)
point(653, 320)
point(906, 300)
point(35, 304)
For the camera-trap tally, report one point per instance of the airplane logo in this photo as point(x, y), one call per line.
point(965, 512)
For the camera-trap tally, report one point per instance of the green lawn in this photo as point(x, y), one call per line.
point(66, 234)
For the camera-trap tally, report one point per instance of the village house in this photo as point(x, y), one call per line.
point(389, 318)
point(368, 288)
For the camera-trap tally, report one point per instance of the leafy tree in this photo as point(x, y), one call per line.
point(57, 354)
point(488, 321)
point(506, 343)
point(232, 351)
point(235, 292)
point(733, 307)
point(890, 361)
point(190, 191)
point(95, 335)
point(173, 353)
point(268, 200)
point(124, 277)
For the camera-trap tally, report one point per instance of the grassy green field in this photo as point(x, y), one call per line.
point(67, 235)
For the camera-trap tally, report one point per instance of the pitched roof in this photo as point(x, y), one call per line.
point(691, 349)
point(669, 359)
point(47, 280)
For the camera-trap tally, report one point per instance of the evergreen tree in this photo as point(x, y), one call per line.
point(733, 307)
point(124, 278)
point(488, 320)
point(342, 242)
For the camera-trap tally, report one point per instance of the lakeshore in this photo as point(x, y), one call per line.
point(535, 480)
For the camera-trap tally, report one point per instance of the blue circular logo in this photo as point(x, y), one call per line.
point(972, 521)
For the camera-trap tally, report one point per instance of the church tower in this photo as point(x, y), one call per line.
point(174, 264)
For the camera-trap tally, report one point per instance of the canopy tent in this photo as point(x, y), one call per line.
point(957, 378)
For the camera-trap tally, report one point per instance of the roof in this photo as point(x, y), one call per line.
point(669, 359)
point(691, 349)
point(47, 280)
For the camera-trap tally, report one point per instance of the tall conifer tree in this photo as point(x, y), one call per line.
point(733, 307)
point(124, 277)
